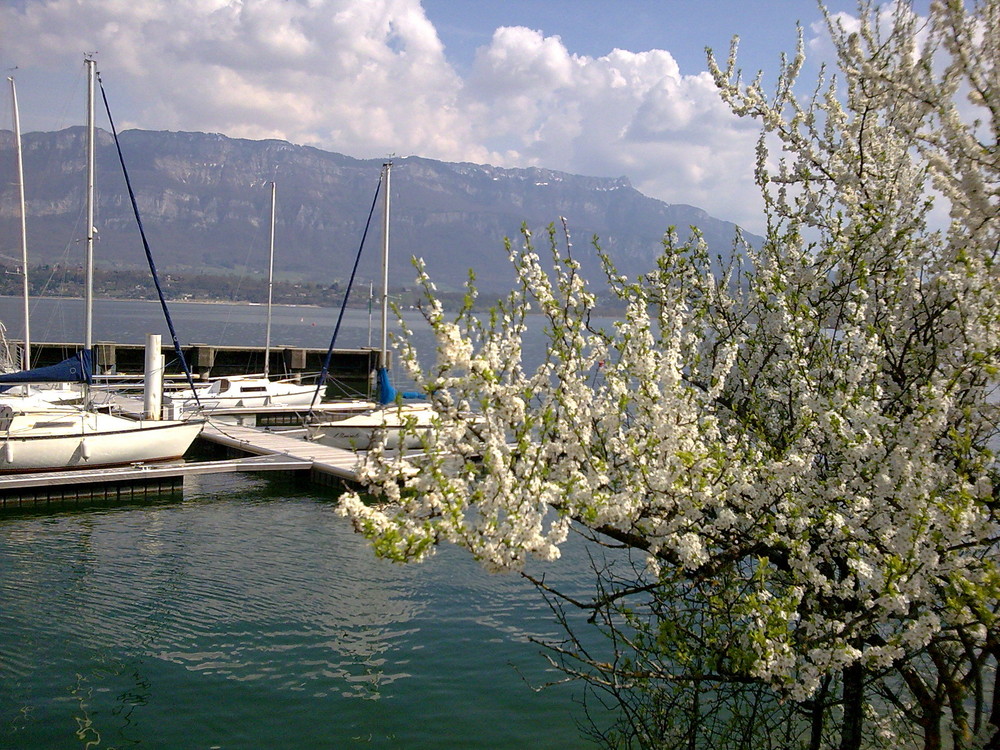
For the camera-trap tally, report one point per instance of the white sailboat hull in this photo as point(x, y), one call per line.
point(53, 440)
point(361, 432)
point(238, 392)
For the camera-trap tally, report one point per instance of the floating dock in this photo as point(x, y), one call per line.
point(324, 461)
point(251, 449)
point(123, 483)
point(327, 465)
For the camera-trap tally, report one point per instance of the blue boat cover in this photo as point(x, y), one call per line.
point(76, 369)
point(386, 393)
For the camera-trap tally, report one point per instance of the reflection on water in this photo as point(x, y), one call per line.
point(247, 614)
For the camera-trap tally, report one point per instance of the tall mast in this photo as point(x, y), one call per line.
point(371, 299)
point(384, 362)
point(89, 286)
point(270, 288)
point(26, 355)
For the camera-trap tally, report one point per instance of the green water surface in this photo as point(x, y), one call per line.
point(246, 613)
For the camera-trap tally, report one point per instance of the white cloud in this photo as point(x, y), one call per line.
point(625, 113)
point(371, 77)
point(359, 77)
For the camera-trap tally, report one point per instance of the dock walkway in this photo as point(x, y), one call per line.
point(166, 470)
point(259, 450)
point(323, 460)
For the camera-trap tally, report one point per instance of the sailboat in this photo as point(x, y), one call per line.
point(35, 437)
point(54, 437)
point(394, 420)
point(399, 424)
point(241, 391)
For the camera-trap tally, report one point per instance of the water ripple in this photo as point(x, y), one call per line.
point(126, 618)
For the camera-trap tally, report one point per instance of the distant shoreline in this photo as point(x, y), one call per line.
point(243, 303)
point(603, 312)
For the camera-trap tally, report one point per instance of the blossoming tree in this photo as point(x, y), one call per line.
point(794, 455)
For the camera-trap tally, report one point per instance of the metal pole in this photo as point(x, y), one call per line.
point(26, 355)
point(386, 168)
point(371, 299)
point(89, 288)
point(153, 378)
point(270, 288)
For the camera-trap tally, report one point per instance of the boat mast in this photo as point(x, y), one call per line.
point(89, 286)
point(26, 354)
point(270, 288)
point(384, 361)
point(371, 300)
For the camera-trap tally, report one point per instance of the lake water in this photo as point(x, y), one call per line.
point(128, 322)
point(245, 613)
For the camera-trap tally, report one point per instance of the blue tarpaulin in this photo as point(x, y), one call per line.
point(386, 391)
point(76, 369)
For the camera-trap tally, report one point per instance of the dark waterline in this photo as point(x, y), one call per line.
point(246, 613)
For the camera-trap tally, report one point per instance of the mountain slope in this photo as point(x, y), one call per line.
point(204, 200)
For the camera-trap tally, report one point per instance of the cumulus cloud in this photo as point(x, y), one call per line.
point(359, 77)
point(626, 113)
point(371, 77)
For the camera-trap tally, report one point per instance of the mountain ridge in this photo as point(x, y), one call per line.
point(204, 202)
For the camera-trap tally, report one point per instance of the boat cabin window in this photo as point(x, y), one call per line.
point(6, 417)
point(253, 389)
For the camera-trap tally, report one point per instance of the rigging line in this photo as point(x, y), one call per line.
point(145, 245)
point(343, 305)
point(61, 266)
point(237, 281)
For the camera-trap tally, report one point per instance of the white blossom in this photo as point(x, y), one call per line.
point(811, 432)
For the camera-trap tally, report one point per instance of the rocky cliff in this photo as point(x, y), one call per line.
point(204, 201)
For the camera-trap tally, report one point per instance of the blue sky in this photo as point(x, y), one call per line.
point(683, 27)
point(614, 88)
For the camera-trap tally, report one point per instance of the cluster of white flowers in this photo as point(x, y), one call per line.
point(810, 431)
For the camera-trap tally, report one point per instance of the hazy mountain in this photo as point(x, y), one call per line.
point(204, 201)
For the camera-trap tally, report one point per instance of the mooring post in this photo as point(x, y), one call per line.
point(153, 380)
